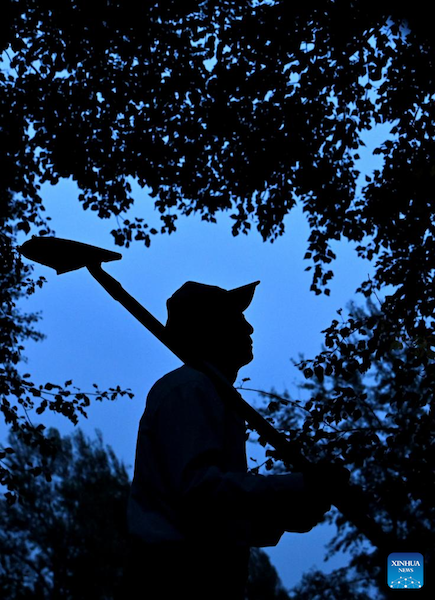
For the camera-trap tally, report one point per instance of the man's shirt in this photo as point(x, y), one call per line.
point(191, 480)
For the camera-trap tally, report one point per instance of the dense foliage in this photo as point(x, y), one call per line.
point(381, 422)
point(248, 107)
point(66, 537)
point(240, 106)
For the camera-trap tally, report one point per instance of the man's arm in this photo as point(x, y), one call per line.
point(208, 496)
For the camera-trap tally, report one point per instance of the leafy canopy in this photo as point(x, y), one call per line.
point(247, 107)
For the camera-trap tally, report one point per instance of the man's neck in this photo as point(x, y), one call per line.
point(230, 373)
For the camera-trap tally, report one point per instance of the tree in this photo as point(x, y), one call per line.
point(245, 107)
point(381, 423)
point(66, 537)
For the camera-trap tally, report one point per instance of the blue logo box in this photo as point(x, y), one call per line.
point(405, 571)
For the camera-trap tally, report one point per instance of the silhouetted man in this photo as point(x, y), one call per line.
point(194, 511)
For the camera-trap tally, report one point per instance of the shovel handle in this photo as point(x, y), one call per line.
point(118, 293)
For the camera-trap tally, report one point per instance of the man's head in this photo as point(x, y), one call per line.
point(208, 322)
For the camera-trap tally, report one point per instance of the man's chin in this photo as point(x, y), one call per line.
point(247, 358)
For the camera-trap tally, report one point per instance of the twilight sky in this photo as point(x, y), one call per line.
point(91, 338)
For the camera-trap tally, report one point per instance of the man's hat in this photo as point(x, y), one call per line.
point(194, 301)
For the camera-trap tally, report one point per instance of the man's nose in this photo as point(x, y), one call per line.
point(249, 328)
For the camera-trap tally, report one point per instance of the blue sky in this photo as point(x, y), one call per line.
point(91, 338)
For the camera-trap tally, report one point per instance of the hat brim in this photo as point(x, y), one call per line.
point(241, 297)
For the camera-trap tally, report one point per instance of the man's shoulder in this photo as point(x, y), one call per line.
point(184, 388)
point(179, 379)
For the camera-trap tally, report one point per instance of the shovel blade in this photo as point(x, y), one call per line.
point(65, 255)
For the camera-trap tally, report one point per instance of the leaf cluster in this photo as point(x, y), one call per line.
point(371, 405)
point(29, 399)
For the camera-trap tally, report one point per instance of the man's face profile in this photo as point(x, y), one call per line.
point(230, 341)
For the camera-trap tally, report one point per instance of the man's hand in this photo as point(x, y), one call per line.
point(325, 479)
point(322, 482)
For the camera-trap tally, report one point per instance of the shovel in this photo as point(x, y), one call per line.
point(66, 255)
